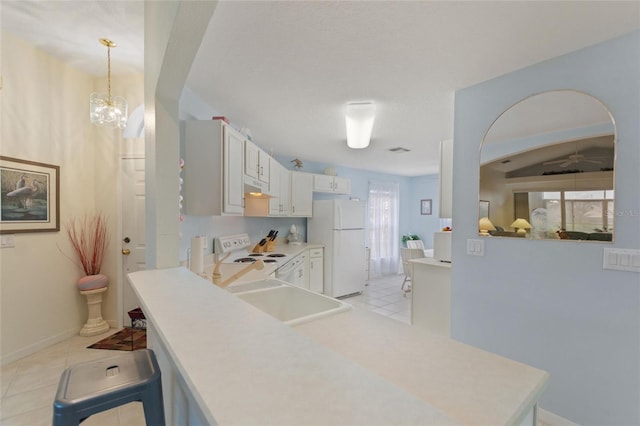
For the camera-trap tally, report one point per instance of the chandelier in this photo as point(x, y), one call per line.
point(105, 110)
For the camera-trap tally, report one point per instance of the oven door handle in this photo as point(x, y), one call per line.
point(287, 267)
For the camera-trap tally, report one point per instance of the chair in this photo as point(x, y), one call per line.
point(417, 244)
point(407, 254)
point(95, 386)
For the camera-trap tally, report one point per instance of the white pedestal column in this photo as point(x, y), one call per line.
point(95, 324)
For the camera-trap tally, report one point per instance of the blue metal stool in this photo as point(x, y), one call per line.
point(92, 387)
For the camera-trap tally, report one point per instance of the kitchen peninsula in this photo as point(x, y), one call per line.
point(225, 362)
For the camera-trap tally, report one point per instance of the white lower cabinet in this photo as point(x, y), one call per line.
point(316, 270)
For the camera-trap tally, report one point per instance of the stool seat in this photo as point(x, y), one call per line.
point(91, 387)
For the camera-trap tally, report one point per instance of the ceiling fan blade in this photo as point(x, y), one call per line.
point(566, 163)
point(554, 162)
point(592, 161)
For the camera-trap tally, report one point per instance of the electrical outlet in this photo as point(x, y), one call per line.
point(7, 241)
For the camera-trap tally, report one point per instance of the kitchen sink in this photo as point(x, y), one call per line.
point(293, 305)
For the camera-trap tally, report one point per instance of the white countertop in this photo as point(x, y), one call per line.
point(245, 367)
point(473, 386)
point(430, 261)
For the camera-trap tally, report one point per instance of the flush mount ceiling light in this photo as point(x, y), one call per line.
point(359, 119)
point(105, 110)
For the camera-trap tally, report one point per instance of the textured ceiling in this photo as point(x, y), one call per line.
point(285, 70)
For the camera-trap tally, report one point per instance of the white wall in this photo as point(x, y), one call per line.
point(45, 119)
point(549, 303)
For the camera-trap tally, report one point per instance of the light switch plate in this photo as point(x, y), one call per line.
point(7, 241)
point(621, 259)
point(475, 247)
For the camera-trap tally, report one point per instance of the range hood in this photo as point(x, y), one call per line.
point(254, 188)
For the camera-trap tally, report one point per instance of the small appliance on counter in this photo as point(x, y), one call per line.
point(294, 237)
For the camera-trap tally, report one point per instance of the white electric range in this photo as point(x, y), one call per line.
point(239, 248)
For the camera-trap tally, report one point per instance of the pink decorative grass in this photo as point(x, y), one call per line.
point(89, 239)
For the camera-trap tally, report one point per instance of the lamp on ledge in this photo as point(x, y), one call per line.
point(485, 225)
point(521, 225)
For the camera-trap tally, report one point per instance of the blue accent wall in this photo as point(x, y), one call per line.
point(550, 304)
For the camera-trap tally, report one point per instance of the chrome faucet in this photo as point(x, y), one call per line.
point(217, 276)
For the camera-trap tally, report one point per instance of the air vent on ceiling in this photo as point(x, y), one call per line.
point(505, 162)
point(399, 150)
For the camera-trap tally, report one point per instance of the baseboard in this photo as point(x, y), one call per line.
point(547, 418)
point(113, 323)
point(38, 346)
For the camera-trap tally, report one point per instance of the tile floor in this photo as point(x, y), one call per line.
point(29, 386)
point(384, 296)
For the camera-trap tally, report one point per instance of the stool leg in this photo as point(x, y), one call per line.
point(64, 416)
point(153, 405)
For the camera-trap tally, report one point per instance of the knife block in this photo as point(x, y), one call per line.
point(258, 248)
point(270, 246)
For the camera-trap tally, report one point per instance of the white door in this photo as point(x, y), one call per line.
point(133, 228)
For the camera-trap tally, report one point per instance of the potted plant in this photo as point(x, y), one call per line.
point(89, 238)
point(409, 237)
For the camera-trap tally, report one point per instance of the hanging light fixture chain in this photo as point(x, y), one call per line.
point(109, 73)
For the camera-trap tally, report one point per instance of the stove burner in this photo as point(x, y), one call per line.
point(256, 254)
point(276, 255)
point(244, 260)
point(269, 261)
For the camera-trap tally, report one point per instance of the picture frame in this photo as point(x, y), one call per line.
point(425, 207)
point(483, 209)
point(29, 196)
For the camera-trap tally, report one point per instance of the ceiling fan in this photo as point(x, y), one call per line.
point(574, 159)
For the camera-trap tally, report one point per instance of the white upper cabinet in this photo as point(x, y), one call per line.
point(275, 205)
point(214, 169)
point(301, 194)
point(331, 184)
point(256, 162)
point(285, 192)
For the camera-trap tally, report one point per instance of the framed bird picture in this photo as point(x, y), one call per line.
point(30, 197)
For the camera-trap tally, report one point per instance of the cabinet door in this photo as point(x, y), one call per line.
point(301, 194)
point(316, 274)
point(446, 178)
point(285, 192)
point(251, 159)
point(233, 182)
point(322, 183)
point(264, 165)
point(341, 185)
point(274, 187)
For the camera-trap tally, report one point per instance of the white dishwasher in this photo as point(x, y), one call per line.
point(294, 271)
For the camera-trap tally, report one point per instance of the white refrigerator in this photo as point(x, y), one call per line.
point(340, 226)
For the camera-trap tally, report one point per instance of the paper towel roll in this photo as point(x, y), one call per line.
point(197, 255)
